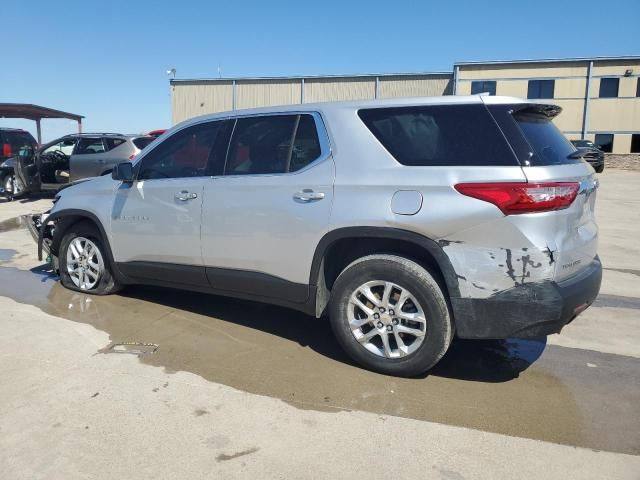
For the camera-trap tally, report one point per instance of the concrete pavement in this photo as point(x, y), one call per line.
point(237, 389)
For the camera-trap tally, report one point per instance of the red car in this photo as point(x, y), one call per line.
point(156, 133)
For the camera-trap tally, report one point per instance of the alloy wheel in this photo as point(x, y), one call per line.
point(84, 263)
point(386, 319)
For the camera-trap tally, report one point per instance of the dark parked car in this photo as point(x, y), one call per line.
point(12, 142)
point(591, 153)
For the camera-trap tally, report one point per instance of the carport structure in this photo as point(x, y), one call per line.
point(36, 113)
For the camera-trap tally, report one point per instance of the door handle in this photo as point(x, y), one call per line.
point(308, 195)
point(183, 196)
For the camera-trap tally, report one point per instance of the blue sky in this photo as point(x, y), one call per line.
point(107, 60)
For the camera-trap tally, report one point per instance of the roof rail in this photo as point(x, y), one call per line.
point(95, 133)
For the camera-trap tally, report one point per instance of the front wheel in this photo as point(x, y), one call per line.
point(600, 168)
point(12, 186)
point(84, 265)
point(390, 315)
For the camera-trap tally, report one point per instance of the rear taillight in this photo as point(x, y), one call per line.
point(515, 198)
point(132, 156)
point(6, 149)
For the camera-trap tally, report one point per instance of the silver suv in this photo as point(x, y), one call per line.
point(407, 221)
point(66, 160)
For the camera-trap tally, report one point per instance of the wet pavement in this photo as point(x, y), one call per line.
point(520, 388)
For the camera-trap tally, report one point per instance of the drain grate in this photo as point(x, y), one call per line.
point(134, 348)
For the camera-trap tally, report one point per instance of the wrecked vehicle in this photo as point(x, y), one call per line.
point(13, 141)
point(406, 221)
point(66, 160)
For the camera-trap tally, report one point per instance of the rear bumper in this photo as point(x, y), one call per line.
point(529, 310)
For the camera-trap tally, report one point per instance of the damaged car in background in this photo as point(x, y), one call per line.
point(404, 221)
point(66, 160)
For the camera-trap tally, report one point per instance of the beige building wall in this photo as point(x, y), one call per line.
point(266, 93)
point(622, 143)
point(615, 67)
point(414, 86)
point(338, 89)
point(613, 114)
point(523, 70)
point(189, 100)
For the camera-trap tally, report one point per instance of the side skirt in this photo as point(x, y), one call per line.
point(240, 284)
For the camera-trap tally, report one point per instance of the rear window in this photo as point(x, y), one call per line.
point(550, 146)
point(14, 141)
point(142, 142)
point(113, 142)
point(439, 135)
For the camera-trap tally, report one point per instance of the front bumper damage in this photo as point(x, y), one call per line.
point(42, 232)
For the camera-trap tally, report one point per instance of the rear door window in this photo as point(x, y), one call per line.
point(272, 144)
point(440, 135)
point(89, 146)
point(112, 143)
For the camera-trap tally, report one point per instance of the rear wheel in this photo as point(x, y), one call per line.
point(390, 315)
point(84, 265)
point(600, 169)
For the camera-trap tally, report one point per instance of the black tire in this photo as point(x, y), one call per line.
point(600, 169)
point(106, 283)
point(423, 286)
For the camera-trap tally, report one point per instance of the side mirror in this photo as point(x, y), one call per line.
point(123, 172)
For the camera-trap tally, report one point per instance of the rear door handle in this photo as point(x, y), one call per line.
point(308, 195)
point(183, 196)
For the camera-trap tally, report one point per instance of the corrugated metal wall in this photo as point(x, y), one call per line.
point(415, 86)
point(191, 98)
point(266, 93)
point(336, 89)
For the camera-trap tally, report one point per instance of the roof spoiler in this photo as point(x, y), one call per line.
point(549, 111)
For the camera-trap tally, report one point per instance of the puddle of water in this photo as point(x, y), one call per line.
point(134, 348)
point(6, 254)
point(500, 386)
point(11, 224)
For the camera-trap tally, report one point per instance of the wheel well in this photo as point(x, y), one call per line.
point(345, 250)
point(62, 226)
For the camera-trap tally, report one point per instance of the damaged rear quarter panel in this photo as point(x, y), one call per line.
point(485, 271)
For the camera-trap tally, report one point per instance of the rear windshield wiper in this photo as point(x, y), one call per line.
point(575, 155)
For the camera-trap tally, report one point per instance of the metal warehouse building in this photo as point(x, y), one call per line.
point(600, 96)
point(196, 97)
